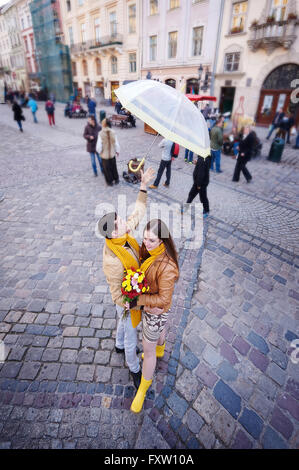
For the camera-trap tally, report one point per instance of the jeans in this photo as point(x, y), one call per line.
point(34, 116)
point(297, 140)
point(20, 125)
point(126, 338)
point(216, 157)
point(93, 162)
point(202, 192)
point(51, 119)
point(163, 164)
point(189, 155)
point(236, 148)
point(273, 126)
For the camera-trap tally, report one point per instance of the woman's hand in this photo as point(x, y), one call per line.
point(147, 176)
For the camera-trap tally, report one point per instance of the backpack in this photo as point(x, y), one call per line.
point(175, 148)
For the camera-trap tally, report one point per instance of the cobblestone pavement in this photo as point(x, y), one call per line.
point(229, 377)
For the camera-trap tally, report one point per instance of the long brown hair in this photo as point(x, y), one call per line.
point(160, 229)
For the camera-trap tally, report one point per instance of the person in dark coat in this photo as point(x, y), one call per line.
point(91, 133)
point(18, 114)
point(92, 108)
point(201, 179)
point(285, 127)
point(276, 122)
point(246, 148)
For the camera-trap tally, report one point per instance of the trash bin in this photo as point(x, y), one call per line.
point(102, 115)
point(276, 150)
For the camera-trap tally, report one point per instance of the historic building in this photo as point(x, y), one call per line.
point(178, 38)
point(27, 35)
point(258, 58)
point(104, 40)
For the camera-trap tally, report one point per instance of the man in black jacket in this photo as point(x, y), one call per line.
point(201, 178)
point(91, 133)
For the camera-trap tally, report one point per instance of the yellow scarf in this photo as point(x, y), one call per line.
point(154, 254)
point(128, 261)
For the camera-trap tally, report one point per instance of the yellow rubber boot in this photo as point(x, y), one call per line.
point(137, 403)
point(159, 351)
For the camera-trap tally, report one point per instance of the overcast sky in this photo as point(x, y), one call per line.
point(2, 2)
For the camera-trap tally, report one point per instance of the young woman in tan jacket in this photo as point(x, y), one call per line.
point(160, 263)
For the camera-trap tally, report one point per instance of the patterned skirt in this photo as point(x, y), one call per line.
point(153, 325)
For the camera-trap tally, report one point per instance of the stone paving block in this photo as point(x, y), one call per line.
point(53, 307)
point(200, 312)
point(228, 352)
point(224, 426)
point(261, 404)
point(102, 357)
point(97, 310)
point(281, 423)
point(292, 387)
point(206, 376)
point(189, 360)
point(241, 345)
point(251, 422)
point(258, 342)
point(226, 333)
point(206, 406)
point(120, 376)
point(29, 370)
point(228, 398)
point(206, 437)
point(10, 369)
point(187, 385)
point(280, 358)
point(51, 355)
point(36, 306)
point(241, 441)
point(103, 374)
point(85, 356)
point(276, 373)
point(72, 343)
point(177, 404)
point(49, 371)
point(211, 356)
point(272, 440)
point(71, 331)
point(259, 359)
point(227, 372)
point(68, 355)
point(287, 402)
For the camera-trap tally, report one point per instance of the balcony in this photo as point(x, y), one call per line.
point(105, 42)
point(272, 34)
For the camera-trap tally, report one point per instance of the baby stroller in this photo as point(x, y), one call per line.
point(132, 176)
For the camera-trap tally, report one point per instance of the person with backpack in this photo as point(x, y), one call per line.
point(168, 148)
point(50, 108)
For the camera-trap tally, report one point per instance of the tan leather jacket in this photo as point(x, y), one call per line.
point(112, 266)
point(161, 277)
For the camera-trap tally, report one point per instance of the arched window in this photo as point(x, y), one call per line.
point(192, 86)
point(85, 67)
point(98, 67)
point(113, 64)
point(170, 82)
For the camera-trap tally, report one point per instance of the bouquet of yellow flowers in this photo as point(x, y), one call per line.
point(134, 284)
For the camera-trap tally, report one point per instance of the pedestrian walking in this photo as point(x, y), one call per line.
point(206, 111)
point(18, 114)
point(165, 162)
point(33, 106)
point(201, 179)
point(188, 156)
point(91, 133)
point(91, 105)
point(247, 145)
point(50, 108)
point(296, 146)
point(108, 148)
point(216, 137)
point(159, 262)
point(279, 115)
point(121, 252)
point(286, 125)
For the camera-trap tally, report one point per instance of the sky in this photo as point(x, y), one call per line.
point(2, 2)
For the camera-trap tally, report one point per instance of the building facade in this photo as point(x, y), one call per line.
point(17, 76)
point(258, 59)
point(104, 40)
point(5, 51)
point(27, 34)
point(178, 37)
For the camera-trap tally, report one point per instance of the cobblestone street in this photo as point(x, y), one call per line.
point(229, 377)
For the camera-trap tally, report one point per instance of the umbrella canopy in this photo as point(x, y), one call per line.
point(167, 111)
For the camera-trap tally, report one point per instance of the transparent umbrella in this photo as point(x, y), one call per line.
point(167, 111)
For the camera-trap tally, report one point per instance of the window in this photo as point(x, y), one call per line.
point(113, 24)
point(68, 5)
point(238, 17)
point(71, 36)
point(170, 82)
point(132, 19)
point(22, 23)
point(278, 9)
point(174, 4)
point(29, 65)
point(83, 32)
point(132, 62)
point(197, 40)
point(172, 44)
point(231, 62)
point(98, 66)
point(113, 64)
point(153, 7)
point(97, 31)
point(74, 68)
point(85, 67)
point(26, 44)
point(153, 48)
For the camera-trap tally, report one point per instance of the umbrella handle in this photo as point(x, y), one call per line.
point(134, 170)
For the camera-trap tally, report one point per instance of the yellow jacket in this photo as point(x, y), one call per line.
point(112, 266)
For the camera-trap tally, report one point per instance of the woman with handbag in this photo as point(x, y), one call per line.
point(18, 114)
point(159, 261)
point(108, 148)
